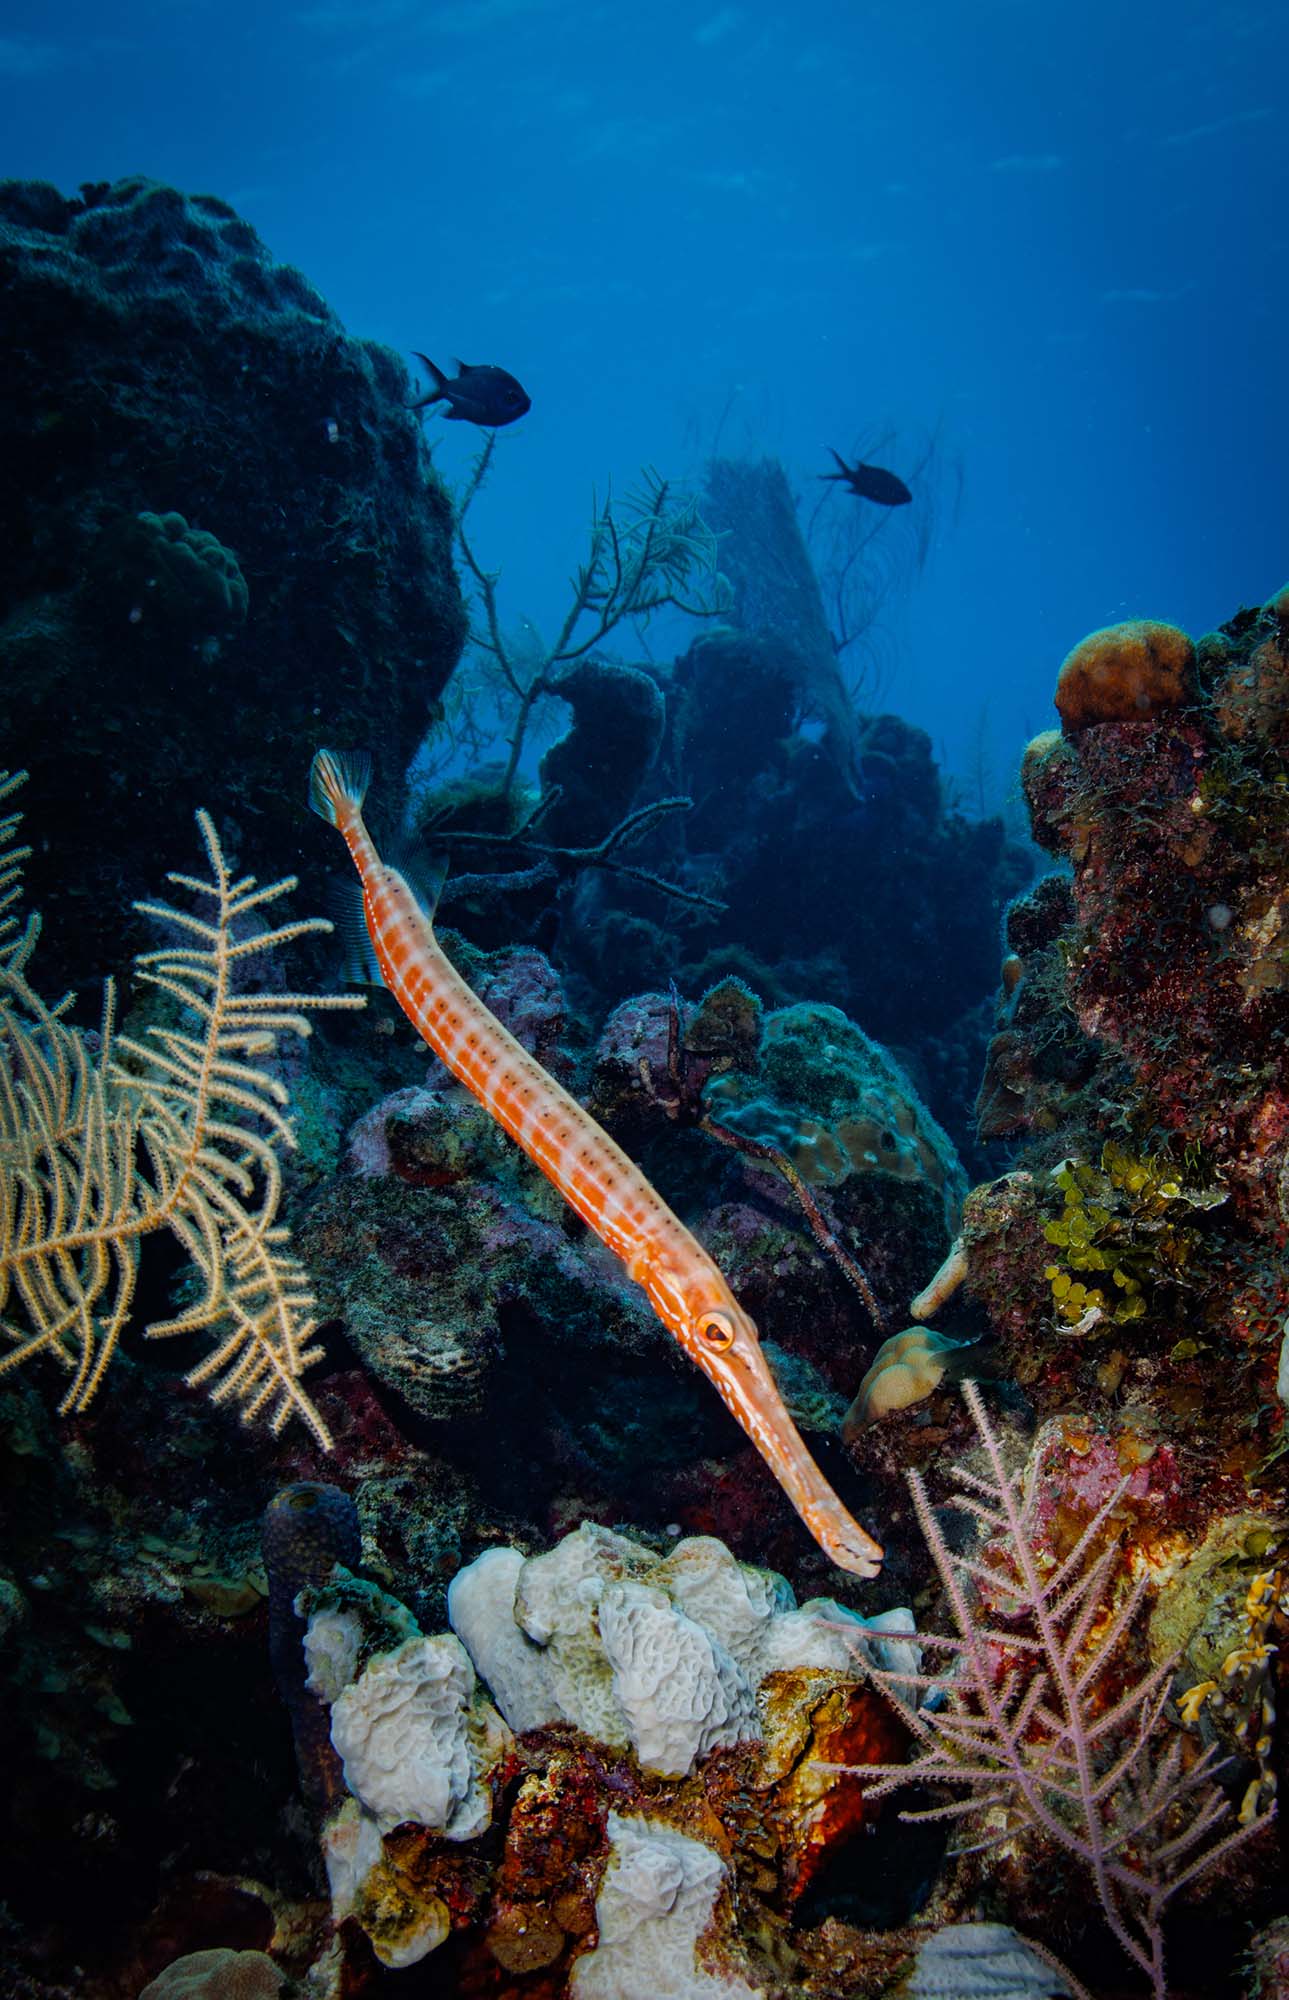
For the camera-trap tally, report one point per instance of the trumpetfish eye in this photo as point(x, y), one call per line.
point(717, 1331)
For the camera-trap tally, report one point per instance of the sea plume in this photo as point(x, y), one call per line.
point(1039, 1720)
point(181, 1131)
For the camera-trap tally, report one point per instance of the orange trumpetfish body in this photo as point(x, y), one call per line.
point(594, 1175)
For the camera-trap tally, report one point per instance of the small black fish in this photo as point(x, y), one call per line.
point(870, 482)
point(480, 395)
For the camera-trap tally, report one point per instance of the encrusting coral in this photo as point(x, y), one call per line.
point(156, 566)
point(636, 1763)
point(835, 1103)
point(180, 1133)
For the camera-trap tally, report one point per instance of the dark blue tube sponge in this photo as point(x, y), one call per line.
point(308, 1529)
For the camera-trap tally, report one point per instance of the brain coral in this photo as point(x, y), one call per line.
point(220, 1974)
point(1125, 673)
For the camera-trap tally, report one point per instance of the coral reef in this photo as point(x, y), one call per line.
point(461, 1284)
point(1128, 1267)
point(806, 790)
point(546, 1725)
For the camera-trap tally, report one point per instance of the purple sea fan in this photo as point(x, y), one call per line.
point(1041, 1715)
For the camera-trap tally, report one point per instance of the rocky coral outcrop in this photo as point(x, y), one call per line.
point(1129, 1267)
point(218, 523)
point(819, 851)
point(1136, 1054)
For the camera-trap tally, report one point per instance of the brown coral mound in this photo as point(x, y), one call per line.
point(1125, 673)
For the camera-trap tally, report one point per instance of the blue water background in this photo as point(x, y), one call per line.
point(1052, 238)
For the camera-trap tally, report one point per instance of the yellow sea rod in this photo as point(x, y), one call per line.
point(595, 1177)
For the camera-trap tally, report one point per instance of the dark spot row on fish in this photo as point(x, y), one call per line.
point(476, 394)
point(870, 482)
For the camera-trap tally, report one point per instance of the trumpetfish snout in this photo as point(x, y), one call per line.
point(683, 1284)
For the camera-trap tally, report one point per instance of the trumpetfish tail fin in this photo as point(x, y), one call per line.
point(339, 779)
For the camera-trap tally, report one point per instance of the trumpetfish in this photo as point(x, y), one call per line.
point(681, 1281)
